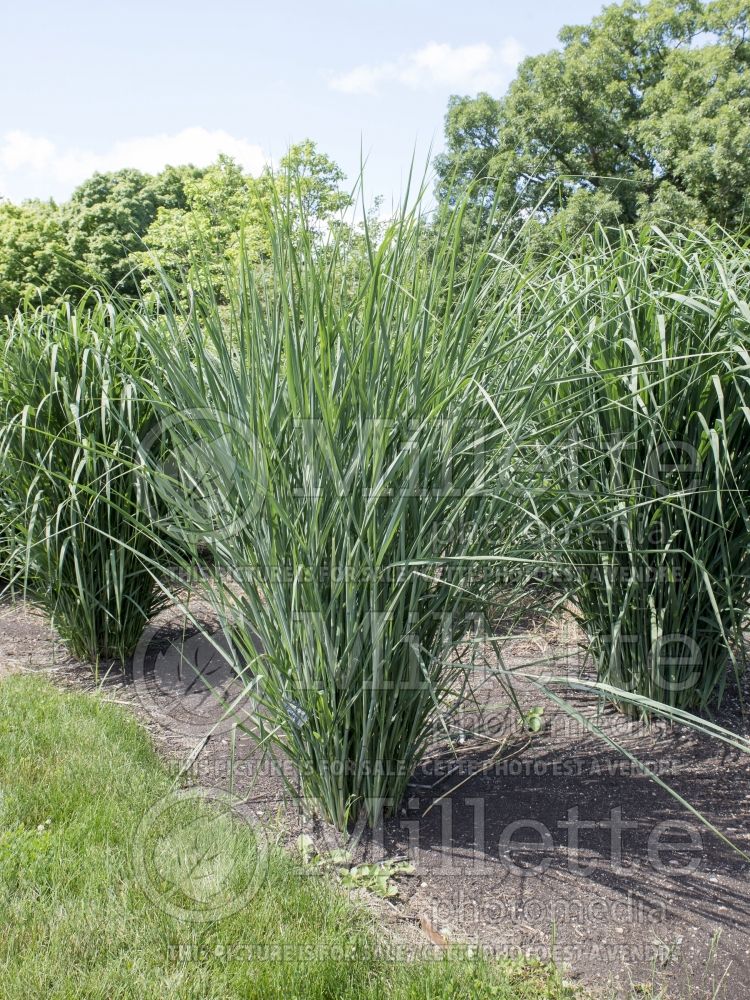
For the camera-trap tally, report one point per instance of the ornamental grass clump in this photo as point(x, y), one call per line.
point(70, 419)
point(652, 516)
point(350, 470)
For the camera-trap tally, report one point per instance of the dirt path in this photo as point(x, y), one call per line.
point(555, 846)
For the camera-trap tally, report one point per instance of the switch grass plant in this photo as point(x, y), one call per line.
point(652, 517)
point(68, 416)
point(353, 471)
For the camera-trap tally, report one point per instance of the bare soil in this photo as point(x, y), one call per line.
point(553, 844)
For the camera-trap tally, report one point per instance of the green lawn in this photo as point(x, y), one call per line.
point(93, 897)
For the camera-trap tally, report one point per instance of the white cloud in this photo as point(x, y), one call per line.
point(33, 166)
point(438, 65)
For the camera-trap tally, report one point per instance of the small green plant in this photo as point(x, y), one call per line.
point(377, 878)
point(23, 849)
point(310, 856)
point(532, 720)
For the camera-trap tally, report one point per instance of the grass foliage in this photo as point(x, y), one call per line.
point(352, 473)
point(366, 442)
point(70, 506)
point(652, 516)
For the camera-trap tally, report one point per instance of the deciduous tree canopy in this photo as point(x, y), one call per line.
point(642, 114)
point(118, 225)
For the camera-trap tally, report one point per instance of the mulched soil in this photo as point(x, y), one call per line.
point(552, 845)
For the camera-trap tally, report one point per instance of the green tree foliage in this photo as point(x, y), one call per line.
point(50, 251)
point(226, 208)
point(32, 249)
point(108, 216)
point(312, 182)
point(124, 224)
point(643, 114)
point(219, 203)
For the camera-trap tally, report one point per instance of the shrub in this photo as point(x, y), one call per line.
point(69, 419)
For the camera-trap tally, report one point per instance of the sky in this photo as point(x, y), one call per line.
point(88, 86)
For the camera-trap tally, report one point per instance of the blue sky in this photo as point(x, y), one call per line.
point(102, 85)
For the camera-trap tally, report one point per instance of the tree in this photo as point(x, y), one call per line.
point(642, 114)
point(120, 227)
point(225, 207)
point(33, 262)
point(311, 180)
point(109, 214)
point(221, 203)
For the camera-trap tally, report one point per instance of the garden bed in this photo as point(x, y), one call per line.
point(115, 880)
point(632, 889)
